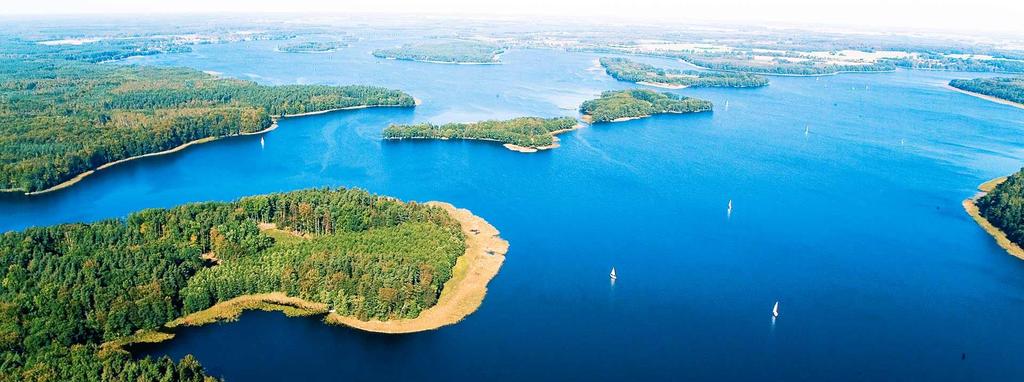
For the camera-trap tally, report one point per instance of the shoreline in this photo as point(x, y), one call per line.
point(838, 72)
point(662, 85)
point(590, 119)
point(443, 62)
point(972, 209)
point(985, 97)
point(273, 126)
point(514, 147)
point(461, 295)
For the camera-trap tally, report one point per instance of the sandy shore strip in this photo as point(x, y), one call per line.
point(662, 85)
point(461, 295)
point(273, 125)
point(972, 209)
point(590, 119)
point(986, 97)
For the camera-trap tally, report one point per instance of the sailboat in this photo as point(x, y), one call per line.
point(612, 275)
point(807, 130)
point(775, 310)
point(726, 105)
point(262, 144)
point(728, 210)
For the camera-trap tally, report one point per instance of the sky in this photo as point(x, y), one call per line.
point(952, 15)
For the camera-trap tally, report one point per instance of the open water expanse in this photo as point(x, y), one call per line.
point(855, 226)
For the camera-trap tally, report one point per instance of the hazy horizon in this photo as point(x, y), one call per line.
point(983, 17)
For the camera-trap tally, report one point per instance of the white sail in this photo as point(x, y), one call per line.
point(775, 309)
point(612, 275)
point(262, 144)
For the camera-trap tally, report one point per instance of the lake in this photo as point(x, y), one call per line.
point(855, 226)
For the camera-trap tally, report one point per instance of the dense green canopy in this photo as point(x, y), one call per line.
point(1008, 88)
point(524, 131)
point(636, 103)
point(61, 118)
point(458, 51)
point(624, 69)
point(312, 46)
point(1004, 207)
point(74, 286)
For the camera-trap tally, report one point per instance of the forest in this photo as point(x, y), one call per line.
point(312, 47)
point(524, 131)
point(1007, 88)
point(67, 289)
point(624, 69)
point(61, 118)
point(115, 46)
point(1004, 207)
point(745, 62)
point(619, 104)
point(458, 51)
point(943, 62)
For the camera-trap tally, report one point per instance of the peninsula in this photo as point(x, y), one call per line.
point(623, 69)
point(997, 209)
point(623, 105)
point(1004, 90)
point(68, 119)
point(444, 52)
point(366, 261)
point(524, 134)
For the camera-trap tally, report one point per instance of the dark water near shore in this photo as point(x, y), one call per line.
point(855, 227)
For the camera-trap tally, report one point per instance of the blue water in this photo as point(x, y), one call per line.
point(855, 227)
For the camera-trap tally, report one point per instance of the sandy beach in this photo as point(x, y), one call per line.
point(972, 209)
point(985, 97)
point(461, 295)
point(554, 141)
point(662, 85)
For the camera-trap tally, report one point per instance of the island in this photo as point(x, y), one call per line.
point(75, 295)
point(1004, 90)
point(444, 52)
point(524, 134)
point(623, 69)
point(997, 208)
point(63, 120)
point(312, 47)
point(623, 105)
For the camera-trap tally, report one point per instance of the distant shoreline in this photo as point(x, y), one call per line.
point(985, 97)
point(972, 209)
point(497, 56)
point(838, 72)
point(273, 126)
point(461, 295)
